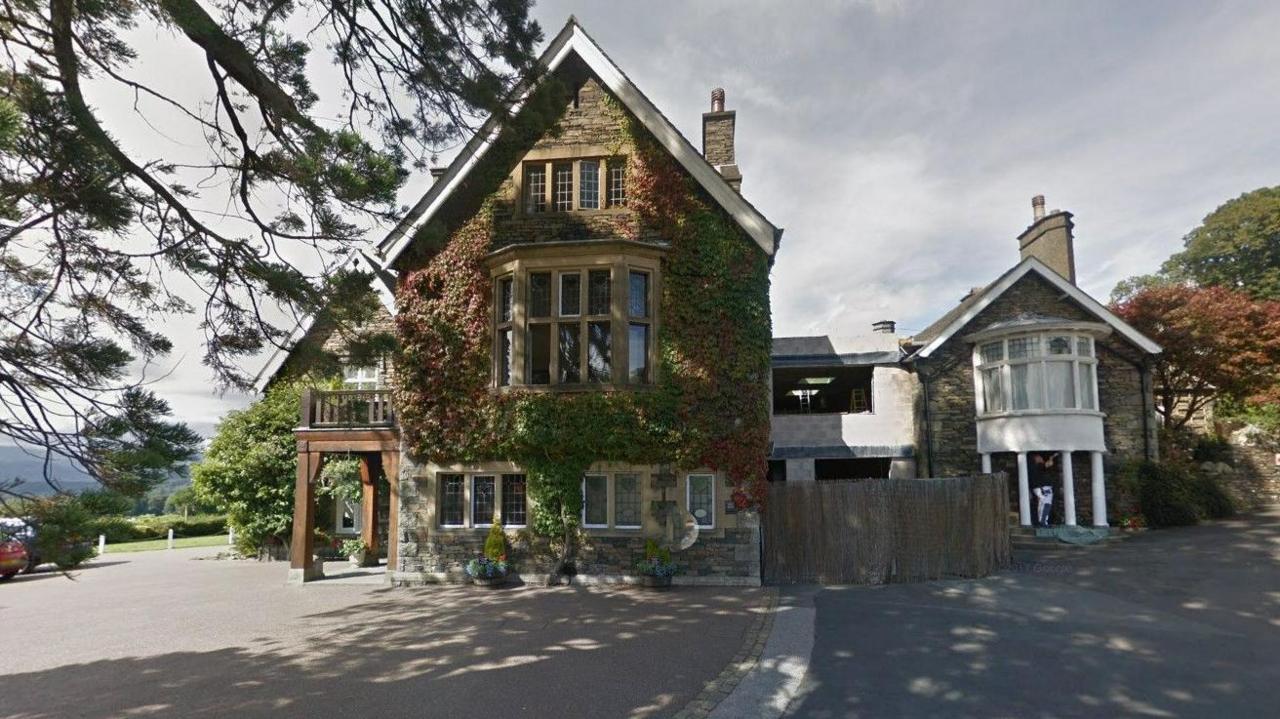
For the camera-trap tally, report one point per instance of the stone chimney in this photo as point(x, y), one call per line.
point(717, 139)
point(884, 326)
point(1050, 240)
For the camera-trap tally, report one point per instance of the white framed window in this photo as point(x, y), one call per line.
point(1040, 372)
point(515, 505)
point(700, 498)
point(595, 501)
point(347, 517)
point(535, 188)
point(617, 182)
point(563, 188)
point(360, 377)
point(484, 496)
point(589, 185)
point(453, 507)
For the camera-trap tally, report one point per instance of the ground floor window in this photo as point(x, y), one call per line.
point(452, 508)
point(612, 501)
point(347, 519)
point(476, 500)
point(701, 499)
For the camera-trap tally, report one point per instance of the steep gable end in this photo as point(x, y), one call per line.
point(973, 306)
point(572, 44)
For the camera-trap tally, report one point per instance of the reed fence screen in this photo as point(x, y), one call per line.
point(878, 531)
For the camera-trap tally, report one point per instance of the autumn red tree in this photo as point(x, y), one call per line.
point(1218, 343)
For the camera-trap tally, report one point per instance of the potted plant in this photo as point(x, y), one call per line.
point(490, 570)
point(356, 550)
point(656, 569)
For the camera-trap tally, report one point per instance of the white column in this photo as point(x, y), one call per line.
point(1099, 490)
point(1024, 493)
point(986, 463)
point(1068, 489)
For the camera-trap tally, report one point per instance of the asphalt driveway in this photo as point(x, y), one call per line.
point(163, 634)
point(1175, 623)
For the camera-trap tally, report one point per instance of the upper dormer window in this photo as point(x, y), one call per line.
point(575, 185)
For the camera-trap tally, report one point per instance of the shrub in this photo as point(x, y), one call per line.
point(653, 551)
point(1164, 491)
point(1212, 449)
point(495, 545)
point(1212, 501)
point(353, 546)
point(116, 529)
point(62, 530)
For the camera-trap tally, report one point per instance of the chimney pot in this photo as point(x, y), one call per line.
point(1037, 207)
point(717, 100)
point(884, 326)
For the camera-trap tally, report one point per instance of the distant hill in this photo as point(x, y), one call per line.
point(15, 463)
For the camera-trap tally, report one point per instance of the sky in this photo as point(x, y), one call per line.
point(899, 143)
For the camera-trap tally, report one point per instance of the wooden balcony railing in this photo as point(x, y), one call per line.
point(323, 409)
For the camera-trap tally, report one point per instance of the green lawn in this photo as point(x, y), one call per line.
point(147, 545)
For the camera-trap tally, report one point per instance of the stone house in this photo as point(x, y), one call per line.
point(541, 273)
point(1031, 366)
point(571, 289)
point(1026, 368)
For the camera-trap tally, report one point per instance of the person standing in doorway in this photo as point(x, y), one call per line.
point(1042, 481)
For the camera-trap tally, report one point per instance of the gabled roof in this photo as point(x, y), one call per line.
point(935, 335)
point(383, 283)
point(573, 40)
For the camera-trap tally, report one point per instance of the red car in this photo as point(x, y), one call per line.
point(13, 557)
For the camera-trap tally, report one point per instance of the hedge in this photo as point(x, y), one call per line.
point(126, 529)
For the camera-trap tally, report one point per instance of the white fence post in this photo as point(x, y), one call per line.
point(170, 538)
point(231, 536)
point(102, 544)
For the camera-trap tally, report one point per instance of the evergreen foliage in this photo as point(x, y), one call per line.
point(103, 240)
point(495, 545)
point(251, 466)
point(1236, 246)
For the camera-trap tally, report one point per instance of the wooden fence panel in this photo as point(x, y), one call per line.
point(885, 530)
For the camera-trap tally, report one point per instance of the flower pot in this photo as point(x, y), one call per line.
point(494, 581)
point(357, 558)
point(649, 580)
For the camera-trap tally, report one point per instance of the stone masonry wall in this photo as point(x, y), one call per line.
point(726, 555)
point(951, 410)
point(588, 128)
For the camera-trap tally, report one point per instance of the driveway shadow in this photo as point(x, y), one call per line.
point(447, 651)
point(1173, 623)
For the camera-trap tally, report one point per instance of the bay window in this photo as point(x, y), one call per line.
point(575, 325)
point(1047, 371)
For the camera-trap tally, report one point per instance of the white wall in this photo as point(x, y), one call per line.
point(890, 424)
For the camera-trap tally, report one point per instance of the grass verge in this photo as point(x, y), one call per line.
point(148, 545)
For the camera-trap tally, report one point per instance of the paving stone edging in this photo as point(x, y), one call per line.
point(716, 690)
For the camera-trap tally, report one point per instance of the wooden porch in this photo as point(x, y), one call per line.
point(359, 423)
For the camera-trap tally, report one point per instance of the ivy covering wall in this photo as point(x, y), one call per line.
point(709, 407)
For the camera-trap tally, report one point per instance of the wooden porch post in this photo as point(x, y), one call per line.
point(368, 510)
point(302, 567)
point(391, 468)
